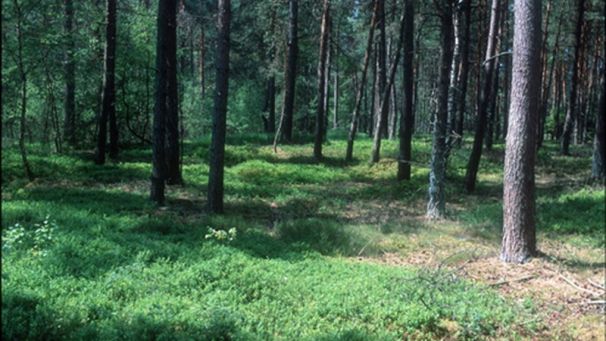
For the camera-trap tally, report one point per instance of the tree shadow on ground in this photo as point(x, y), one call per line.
point(572, 263)
point(328, 161)
point(33, 317)
point(90, 200)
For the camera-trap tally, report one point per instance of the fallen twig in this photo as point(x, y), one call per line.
point(521, 279)
point(364, 247)
point(593, 302)
point(596, 284)
point(578, 287)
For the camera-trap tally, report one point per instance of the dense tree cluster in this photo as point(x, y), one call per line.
point(106, 74)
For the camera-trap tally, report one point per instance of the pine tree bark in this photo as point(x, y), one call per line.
point(376, 145)
point(598, 162)
point(493, 120)
point(373, 93)
point(436, 206)
point(327, 71)
point(407, 119)
point(493, 115)
point(291, 71)
point(548, 85)
point(582, 88)
point(173, 153)
point(519, 236)
point(335, 98)
point(507, 36)
point(381, 110)
point(462, 81)
point(356, 113)
point(23, 78)
point(70, 76)
point(571, 112)
point(271, 104)
point(113, 123)
point(393, 111)
point(108, 108)
point(161, 111)
point(543, 116)
point(322, 104)
point(454, 73)
point(217, 148)
point(488, 69)
point(202, 63)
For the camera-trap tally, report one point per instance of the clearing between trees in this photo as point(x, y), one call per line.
point(319, 251)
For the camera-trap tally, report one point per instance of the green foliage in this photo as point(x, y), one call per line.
point(119, 268)
point(221, 235)
point(35, 239)
point(556, 219)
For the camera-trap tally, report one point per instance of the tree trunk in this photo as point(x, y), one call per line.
point(202, 66)
point(373, 93)
point(598, 161)
point(335, 110)
point(271, 104)
point(161, 110)
point(108, 108)
point(582, 88)
point(488, 69)
point(407, 120)
point(217, 148)
point(492, 110)
point(173, 154)
point(436, 205)
point(23, 77)
point(327, 70)
point(543, 111)
point(519, 236)
point(464, 69)
point(571, 112)
point(381, 110)
point(548, 85)
point(70, 76)
point(354, 117)
point(493, 120)
point(322, 81)
point(393, 111)
point(454, 73)
point(291, 72)
point(113, 124)
point(376, 145)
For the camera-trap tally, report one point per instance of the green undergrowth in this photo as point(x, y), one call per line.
point(86, 255)
point(120, 276)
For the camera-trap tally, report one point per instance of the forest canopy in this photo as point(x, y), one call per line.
point(303, 169)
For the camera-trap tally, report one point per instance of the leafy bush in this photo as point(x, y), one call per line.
point(36, 238)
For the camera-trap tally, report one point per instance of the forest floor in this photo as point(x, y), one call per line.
point(328, 250)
